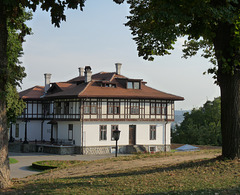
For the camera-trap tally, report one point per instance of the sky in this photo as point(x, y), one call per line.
point(98, 38)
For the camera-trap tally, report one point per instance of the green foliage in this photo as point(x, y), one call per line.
point(15, 105)
point(57, 8)
point(13, 161)
point(202, 126)
point(15, 72)
point(16, 33)
point(156, 25)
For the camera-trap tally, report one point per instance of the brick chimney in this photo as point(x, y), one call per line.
point(47, 77)
point(118, 68)
point(88, 74)
point(81, 71)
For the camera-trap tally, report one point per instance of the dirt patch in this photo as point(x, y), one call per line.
point(110, 166)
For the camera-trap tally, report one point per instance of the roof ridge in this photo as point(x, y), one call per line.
point(85, 88)
point(112, 76)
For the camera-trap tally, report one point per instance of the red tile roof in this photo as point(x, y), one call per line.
point(32, 93)
point(77, 88)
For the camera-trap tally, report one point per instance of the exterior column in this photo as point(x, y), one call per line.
point(51, 139)
point(11, 137)
point(25, 137)
point(42, 131)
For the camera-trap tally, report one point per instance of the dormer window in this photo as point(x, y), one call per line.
point(109, 85)
point(130, 85)
point(133, 85)
point(136, 85)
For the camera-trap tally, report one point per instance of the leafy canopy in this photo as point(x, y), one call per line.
point(156, 25)
point(201, 126)
point(15, 70)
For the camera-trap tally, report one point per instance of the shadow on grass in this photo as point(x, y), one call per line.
point(76, 184)
point(151, 170)
point(225, 191)
point(55, 187)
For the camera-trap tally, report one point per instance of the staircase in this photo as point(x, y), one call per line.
point(135, 149)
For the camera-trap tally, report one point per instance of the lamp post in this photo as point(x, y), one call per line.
point(11, 137)
point(116, 135)
point(26, 121)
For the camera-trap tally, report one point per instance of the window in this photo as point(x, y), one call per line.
point(86, 108)
point(110, 107)
point(152, 149)
point(134, 108)
point(110, 85)
point(46, 108)
point(164, 109)
point(17, 131)
point(152, 132)
point(93, 107)
point(130, 85)
point(103, 132)
point(58, 108)
point(113, 128)
point(90, 107)
point(152, 108)
point(66, 107)
point(113, 108)
point(136, 85)
point(155, 108)
point(70, 132)
point(158, 108)
point(133, 85)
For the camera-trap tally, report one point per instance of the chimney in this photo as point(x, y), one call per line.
point(88, 74)
point(118, 68)
point(81, 71)
point(47, 77)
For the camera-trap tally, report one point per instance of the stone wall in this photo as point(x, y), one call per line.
point(91, 150)
point(128, 149)
point(52, 149)
point(20, 147)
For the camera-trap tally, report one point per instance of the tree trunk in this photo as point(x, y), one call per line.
point(4, 162)
point(228, 76)
point(230, 115)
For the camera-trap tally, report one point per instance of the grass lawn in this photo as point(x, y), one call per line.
point(13, 161)
point(205, 176)
point(51, 164)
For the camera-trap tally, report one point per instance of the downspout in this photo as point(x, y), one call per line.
point(42, 131)
point(44, 110)
point(51, 139)
point(81, 118)
point(165, 139)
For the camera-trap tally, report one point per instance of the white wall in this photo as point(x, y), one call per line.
point(63, 131)
point(91, 133)
point(33, 130)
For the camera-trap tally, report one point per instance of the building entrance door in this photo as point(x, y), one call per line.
point(132, 134)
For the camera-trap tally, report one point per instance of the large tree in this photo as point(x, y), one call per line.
point(14, 104)
point(211, 26)
point(201, 126)
point(10, 12)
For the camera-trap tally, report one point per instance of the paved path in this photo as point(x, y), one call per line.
point(25, 160)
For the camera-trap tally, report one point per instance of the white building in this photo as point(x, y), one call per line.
point(85, 110)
